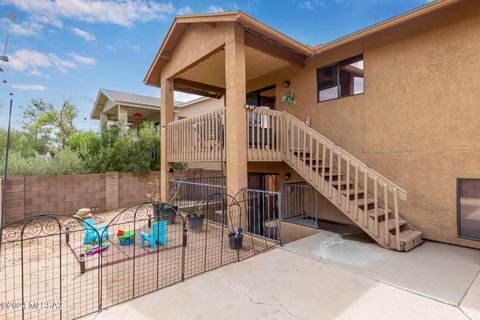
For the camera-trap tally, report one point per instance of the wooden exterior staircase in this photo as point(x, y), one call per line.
point(362, 194)
point(365, 196)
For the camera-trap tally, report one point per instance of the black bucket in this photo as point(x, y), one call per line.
point(195, 222)
point(236, 243)
point(165, 212)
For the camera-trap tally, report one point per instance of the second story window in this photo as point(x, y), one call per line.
point(341, 79)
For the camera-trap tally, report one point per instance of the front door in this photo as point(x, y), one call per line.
point(259, 207)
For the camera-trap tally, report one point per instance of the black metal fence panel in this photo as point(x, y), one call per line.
point(300, 204)
point(60, 267)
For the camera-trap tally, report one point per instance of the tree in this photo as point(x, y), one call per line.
point(43, 120)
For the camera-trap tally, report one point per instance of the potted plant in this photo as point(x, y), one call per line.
point(161, 210)
point(236, 239)
point(195, 218)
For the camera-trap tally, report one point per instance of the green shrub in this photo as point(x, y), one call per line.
point(87, 152)
point(64, 162)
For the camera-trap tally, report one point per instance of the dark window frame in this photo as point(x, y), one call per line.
point(337, 64)
point(258, 93)
point(459, 210)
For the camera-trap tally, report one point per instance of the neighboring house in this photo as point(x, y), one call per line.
point(130, 110)
point(385, 124)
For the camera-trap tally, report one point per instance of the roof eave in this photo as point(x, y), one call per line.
point(384, 25)
point(95, 105)
point(235, 16)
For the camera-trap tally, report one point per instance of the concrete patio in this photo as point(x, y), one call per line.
point(325, 277)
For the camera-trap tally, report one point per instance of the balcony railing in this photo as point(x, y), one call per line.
point(198, 138)
point(264, 135)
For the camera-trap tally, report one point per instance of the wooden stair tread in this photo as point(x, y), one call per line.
point(341, 182)
point(370, 200)
point(380, 212)
point(351, 192)
point(409, 235)
point(314, 168)
point(391, 224)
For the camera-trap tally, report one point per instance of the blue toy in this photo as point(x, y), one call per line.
point(159, 234)
point(91, 235)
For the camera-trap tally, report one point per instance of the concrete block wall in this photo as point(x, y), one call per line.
point(33, 195)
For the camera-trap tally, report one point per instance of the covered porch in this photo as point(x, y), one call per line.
point(221, 56)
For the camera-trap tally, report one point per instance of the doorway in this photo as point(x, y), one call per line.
point(264, 97)
point(262, 207)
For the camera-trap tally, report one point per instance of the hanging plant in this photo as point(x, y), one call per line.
point(137, 117)
point(289, 97)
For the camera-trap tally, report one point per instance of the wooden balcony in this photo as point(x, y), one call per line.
point(198, 138)
point(201, 138)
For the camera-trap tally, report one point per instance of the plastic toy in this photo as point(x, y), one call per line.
point(92, 233)
point(159, 234)
point(97, 248)
point(126, 237)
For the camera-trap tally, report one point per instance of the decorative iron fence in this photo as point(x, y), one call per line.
point(300, 204)
point(262, 209)
point(60, 267)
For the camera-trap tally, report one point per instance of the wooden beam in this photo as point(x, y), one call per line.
point(211, 24)
point(274, 50)
point(167, 55)
point(198, 92)
point(184, 83)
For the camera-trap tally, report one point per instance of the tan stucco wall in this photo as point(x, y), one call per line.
point(200, 107)
point(197, 41)
point(418, 121)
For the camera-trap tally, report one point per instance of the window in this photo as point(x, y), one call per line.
point(342, 79)
point(264, 97)
point(468, 208)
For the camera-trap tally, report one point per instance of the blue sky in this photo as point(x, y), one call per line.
point(70, 48)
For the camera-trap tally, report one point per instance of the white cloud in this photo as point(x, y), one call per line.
point(306, 5)
point(29, 87)
point(214, 9)
point(123, 44)
point(184, 10)
point(87, 36)
point(125, 13)
point(34, 62)
point(25, 29)
point(310, 5)
point(83, 59)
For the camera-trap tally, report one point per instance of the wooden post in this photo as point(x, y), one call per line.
point(166, 116)
point(235, 124)
point(122, 119)
point(103, 123)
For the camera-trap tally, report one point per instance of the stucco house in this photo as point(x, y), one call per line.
point(130, 110)
point(381, 123)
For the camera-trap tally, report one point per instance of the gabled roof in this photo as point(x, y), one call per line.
point(124, 98)
point(118, 97)
point(179, 25)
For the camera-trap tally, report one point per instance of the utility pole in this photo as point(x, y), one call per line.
point(5, 171)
